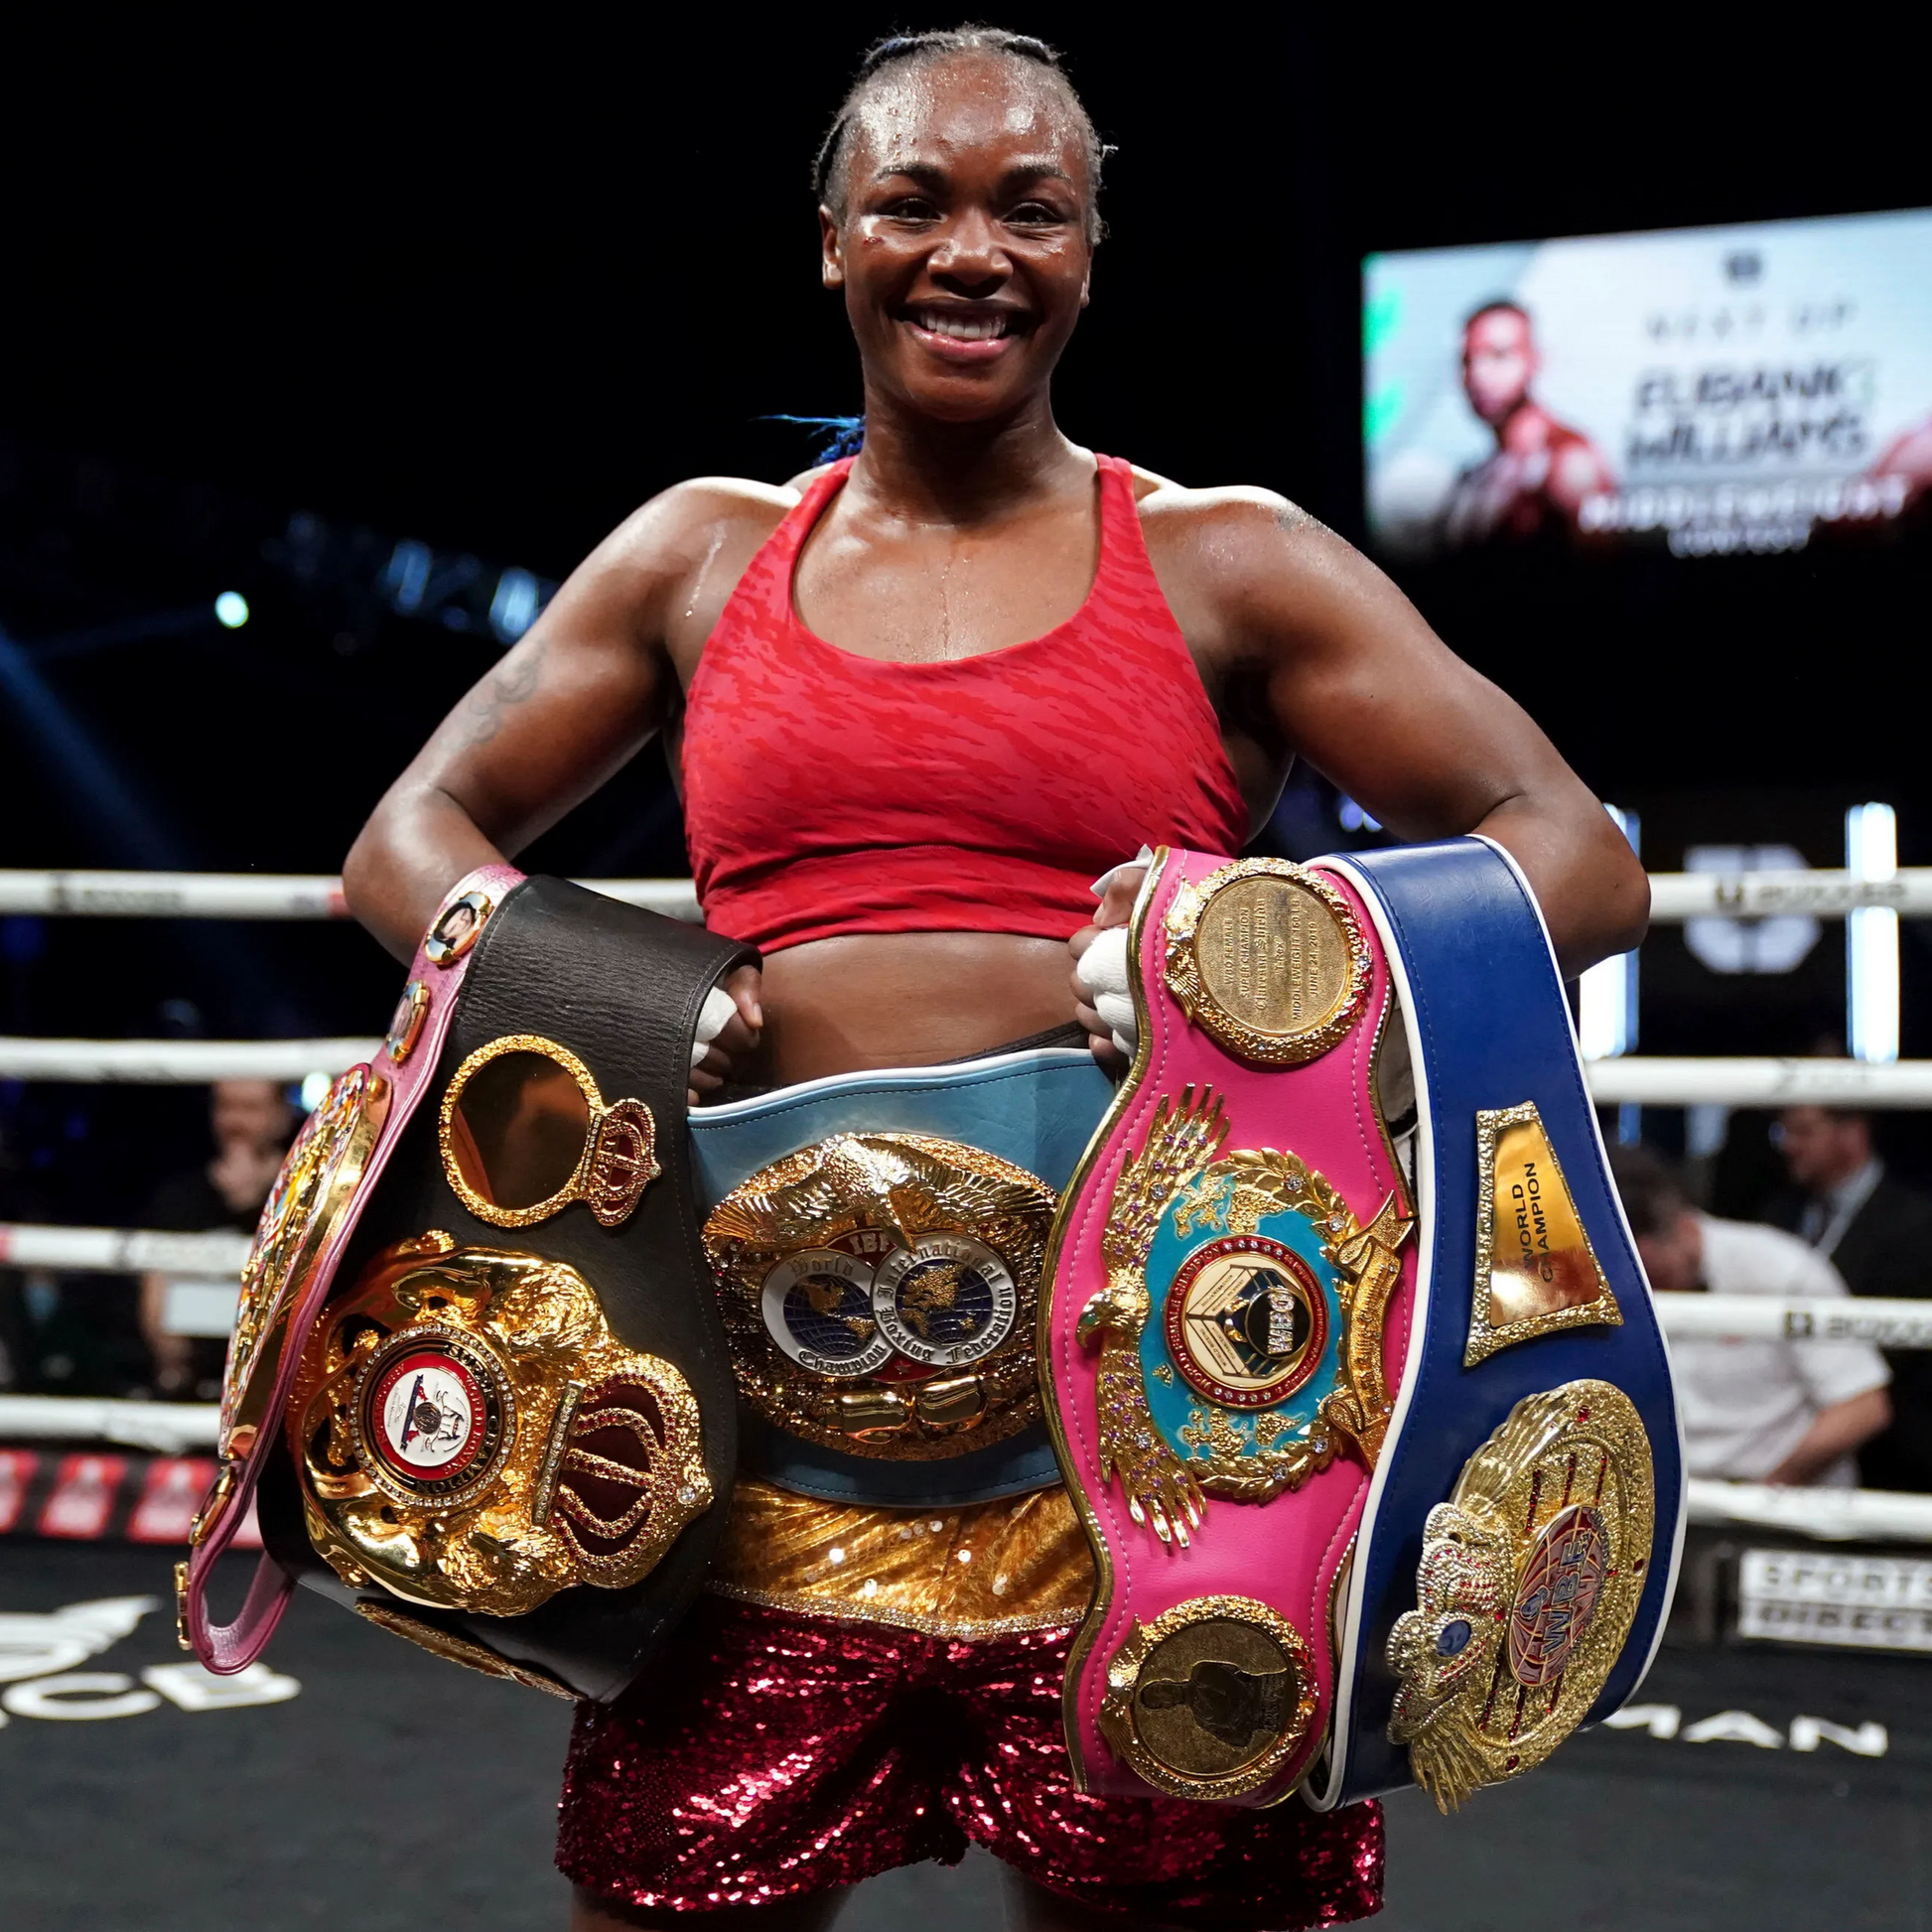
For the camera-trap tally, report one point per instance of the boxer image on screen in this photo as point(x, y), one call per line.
point(1536, 482)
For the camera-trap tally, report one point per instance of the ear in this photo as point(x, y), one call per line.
point(831, 257)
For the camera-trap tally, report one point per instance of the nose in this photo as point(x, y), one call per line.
point(971, 260)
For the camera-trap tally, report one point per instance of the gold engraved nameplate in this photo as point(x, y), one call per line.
point(879, 1290)
point(1529, 1582)
point(1210, 1700)
point(1536, 1271)
point(1269, 958)
point(470, 1434)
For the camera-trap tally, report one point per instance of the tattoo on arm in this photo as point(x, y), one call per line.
point(509, 685)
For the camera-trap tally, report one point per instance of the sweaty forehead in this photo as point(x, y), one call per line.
point(941, 112)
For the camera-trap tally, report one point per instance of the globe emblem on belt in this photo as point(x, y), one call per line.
point(1246, 1322)
point(431, 1415)
point(948, 1299)
point(817, 1306)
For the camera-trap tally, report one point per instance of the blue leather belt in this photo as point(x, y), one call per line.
point(1033, 1111)
point(1490, 1035)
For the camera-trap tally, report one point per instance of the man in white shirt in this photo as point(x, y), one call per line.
point(1787, 1412)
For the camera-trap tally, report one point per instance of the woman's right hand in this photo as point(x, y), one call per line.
point(736, 1039)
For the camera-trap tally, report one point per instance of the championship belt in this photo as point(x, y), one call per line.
point(479, 1388)
point(876, 1241)
point(1381, 1473)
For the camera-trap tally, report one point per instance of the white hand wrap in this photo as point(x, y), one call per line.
point(712, 1016)
point(1102, 975)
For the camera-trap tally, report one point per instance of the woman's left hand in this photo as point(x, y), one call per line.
point(1116, 910)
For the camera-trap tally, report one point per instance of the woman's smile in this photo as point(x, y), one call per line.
point(963, 333)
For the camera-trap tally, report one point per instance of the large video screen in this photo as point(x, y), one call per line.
point(1712, 391)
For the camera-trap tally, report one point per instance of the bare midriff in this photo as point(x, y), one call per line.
point(905, 999)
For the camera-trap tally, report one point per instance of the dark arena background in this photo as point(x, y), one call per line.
point(332, 342)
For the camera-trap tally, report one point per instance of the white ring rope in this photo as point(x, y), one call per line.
point(1674, 896)
point(1830, 1515)
point(177, 1063)
point(121, 1251)
point(1737, 1317)
point(1650, 1082)
point(161, 1428)
point(252, 896)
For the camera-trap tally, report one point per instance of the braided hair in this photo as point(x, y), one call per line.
point(906, 49)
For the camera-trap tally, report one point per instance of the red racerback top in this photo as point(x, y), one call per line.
point(827, 793)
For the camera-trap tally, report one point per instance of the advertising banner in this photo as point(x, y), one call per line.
point(1714, 391)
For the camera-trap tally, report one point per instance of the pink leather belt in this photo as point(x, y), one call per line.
point(305, 1226)
point(1226, 1315)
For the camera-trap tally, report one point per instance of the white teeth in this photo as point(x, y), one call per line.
point(962, 329)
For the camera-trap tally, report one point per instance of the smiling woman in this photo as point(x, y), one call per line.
point(916, 700)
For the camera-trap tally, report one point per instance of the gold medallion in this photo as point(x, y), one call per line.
point(1211, 1699)
point(1530, 1579)
point(1269, 958)
point(878, 1292)
point(317, 1181)
point(469, 1434)
point(1536, 1271)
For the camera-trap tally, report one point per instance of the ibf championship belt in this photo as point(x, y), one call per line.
point(876, 1241)
point(479, 1388)
point(1351, 1366)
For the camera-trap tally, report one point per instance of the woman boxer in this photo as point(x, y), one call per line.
point(915, 701)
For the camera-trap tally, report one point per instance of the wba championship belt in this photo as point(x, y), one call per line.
point(479, 1387)
point(1361, 1396)
point(876, 1241)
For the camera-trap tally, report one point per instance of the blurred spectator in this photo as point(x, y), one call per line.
point(1788, 1412)
point(1878, 1233)
point(252, 1124)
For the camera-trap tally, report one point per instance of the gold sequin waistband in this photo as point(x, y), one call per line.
point(981, 1571)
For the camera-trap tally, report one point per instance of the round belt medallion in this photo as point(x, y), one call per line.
point(1269, 958)
point(432, 1414)
point(1246, 1321)
point(948, 1299)
point(818, 1308)
point(1557, 1596)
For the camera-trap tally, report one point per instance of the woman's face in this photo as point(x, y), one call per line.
point(963, 250)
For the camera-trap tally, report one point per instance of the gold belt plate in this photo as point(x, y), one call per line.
point(470, 1434)
point(879, 1293)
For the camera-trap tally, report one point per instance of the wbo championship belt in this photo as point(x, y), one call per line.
point(1350, 1365)
point(479, 1387)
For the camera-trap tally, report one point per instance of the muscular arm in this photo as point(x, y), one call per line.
point(595, 676)
point(1320, 654)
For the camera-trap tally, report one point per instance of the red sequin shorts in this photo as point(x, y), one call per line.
point(768, 1753)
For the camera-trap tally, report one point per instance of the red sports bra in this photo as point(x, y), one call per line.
point(827, 793)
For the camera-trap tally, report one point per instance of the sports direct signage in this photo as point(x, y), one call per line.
point(1714, 391)
point(1859, 1601)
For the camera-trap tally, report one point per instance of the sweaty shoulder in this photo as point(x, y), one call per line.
point(679, 555)
point(1215, 550)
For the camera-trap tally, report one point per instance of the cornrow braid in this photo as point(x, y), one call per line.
point(904, 50)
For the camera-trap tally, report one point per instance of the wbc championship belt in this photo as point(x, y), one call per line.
point(1351, 1367)
point(479, 1388)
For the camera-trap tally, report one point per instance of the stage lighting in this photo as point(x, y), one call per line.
point(231, 609)
point(314, 1090)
